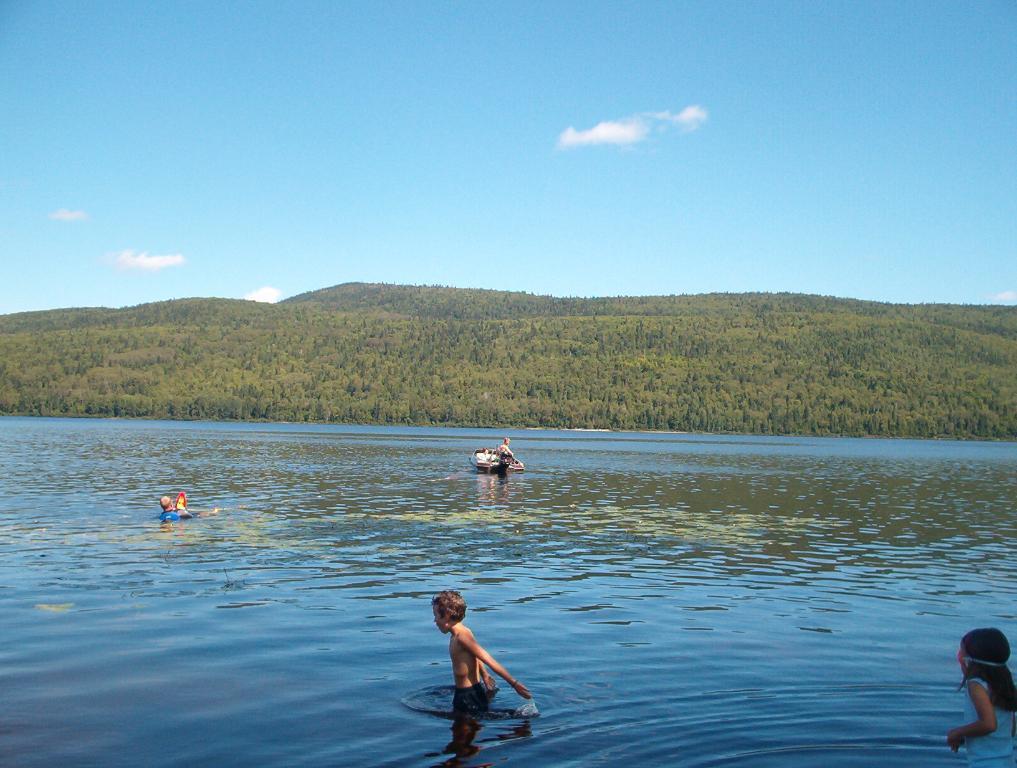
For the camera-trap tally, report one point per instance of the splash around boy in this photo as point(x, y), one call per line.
point(473, 682)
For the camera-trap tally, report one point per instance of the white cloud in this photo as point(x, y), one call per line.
point(266, 295)
point(628, 131)
point(632, 130)
point(1004, 297)
point(63, 214)
point(689, 119)
point(129, 260)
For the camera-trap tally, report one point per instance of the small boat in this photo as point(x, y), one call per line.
point(489, 460)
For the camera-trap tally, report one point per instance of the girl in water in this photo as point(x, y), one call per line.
point(990, 702)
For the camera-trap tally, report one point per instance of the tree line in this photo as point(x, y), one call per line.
point(370, 354)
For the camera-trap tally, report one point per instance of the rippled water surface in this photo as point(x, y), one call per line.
point(669, 599)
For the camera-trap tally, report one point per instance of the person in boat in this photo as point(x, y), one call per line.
point(504, 452)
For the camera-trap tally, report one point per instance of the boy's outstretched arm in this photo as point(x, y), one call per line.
point(489, 682)
point(471, 645)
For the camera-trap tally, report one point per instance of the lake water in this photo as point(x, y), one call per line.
point(669, 599)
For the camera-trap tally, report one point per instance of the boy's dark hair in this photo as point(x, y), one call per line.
point(450, 605)
point(990, 645)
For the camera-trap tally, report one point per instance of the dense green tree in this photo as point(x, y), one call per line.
point(758, 363)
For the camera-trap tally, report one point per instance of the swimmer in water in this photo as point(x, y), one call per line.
point(991, 701)
point(474, 685)
point(171, 511)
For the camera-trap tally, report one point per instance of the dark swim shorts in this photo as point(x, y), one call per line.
point(470, 701)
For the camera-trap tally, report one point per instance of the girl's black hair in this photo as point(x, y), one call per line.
point(989, 644)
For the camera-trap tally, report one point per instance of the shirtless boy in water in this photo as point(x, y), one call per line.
point(468, 657)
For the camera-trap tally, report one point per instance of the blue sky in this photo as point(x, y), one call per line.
point(151, 151)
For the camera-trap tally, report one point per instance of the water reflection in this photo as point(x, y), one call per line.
point(464, 743)
point(493, 488)
point(464, 731)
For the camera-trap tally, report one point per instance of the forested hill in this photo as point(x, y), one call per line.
point(466, 303)
point(758, 363)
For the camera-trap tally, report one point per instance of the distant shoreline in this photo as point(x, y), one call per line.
point(503, 428)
